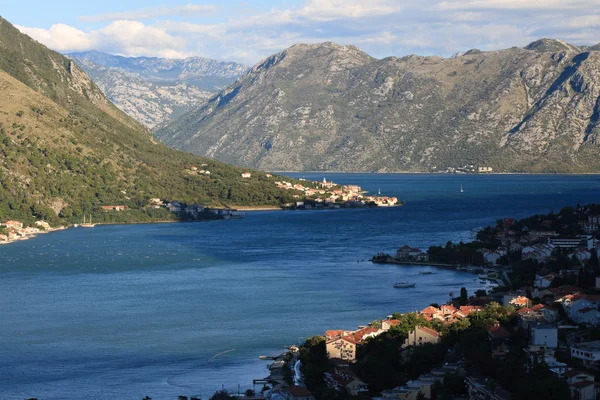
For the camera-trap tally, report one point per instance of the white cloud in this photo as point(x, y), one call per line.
point(380, 27)
point(154, 12)
point(60, 37)
point(130, 38)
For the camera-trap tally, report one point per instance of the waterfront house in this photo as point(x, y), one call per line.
point(13, 224)
point(422, 335)
point(113, 208)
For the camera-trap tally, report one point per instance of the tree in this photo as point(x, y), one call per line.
point(249, 393)
point(222, 395)
point(464, 296)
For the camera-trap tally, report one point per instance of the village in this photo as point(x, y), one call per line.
point(535, 334)
point(11, 231)
point(331, 195)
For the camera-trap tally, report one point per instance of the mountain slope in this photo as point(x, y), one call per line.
point(66, 150)
point(331, 107)
point(157, 90)
point(148, 102)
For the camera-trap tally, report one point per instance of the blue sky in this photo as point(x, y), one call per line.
point(248, 31)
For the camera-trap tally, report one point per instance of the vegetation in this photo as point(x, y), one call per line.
point(66, 150)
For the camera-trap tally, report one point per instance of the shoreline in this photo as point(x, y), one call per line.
point(434, 173)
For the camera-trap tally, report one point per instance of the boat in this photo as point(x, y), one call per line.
point(425, 272)
point(88, 225)
point(404, 285)
point(461, 189)
point(379, 192)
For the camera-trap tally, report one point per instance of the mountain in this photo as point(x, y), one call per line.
point(332, 107)
point(67, 150)
point(157, 90)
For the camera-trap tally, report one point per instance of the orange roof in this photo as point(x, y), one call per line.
point(448, 309)
point(429, 330)
point(430, 310)
point(499, 332)
point(538, 307)
point(330, 334)
point(361, 333)
point(392, 322)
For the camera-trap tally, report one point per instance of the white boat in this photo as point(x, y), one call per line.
point(461, 189)
point(404, 285)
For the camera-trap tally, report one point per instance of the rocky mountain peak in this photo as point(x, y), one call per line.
point(551, 45)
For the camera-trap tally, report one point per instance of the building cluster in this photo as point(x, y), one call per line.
point(469, 169)
point(15, 230)
point(203, 170)
point(328, 193)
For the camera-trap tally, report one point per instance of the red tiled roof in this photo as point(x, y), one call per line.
point(361, 333)
point(430, 310)
point(538, 307)
point(498, 332)
point(333, 333)
point(392, 322)
point(429, 330)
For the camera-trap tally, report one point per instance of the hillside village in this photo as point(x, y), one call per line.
point(535, 334)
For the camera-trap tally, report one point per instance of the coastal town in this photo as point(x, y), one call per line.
point(534, 334)
point(327, 194)
point(310, 195)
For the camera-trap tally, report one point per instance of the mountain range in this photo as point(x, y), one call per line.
point(157, 90)
point(66, 149)
point(332, 107)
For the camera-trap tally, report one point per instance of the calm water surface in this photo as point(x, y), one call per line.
point(181, 309)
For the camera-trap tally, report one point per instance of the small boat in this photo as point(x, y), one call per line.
point(404, 285)
point(425, 272)
point(461, 189)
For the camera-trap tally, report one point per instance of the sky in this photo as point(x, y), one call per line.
point(248, 31)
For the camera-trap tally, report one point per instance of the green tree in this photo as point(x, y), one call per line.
point(464, 296)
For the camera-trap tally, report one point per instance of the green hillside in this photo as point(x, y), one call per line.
point(65, 149)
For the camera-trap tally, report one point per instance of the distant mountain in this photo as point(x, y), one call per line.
point(332, 107)
point(66, 149)
point(157, 90)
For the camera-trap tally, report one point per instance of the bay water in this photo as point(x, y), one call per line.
point(125, 311)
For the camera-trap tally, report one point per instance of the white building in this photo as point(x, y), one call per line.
point(544, 334)
point(588, 352)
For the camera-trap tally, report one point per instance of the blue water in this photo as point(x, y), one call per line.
point(181, 309)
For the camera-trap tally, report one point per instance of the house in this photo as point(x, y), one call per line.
point(341, 376)
point(113, 208)
point(467, 310)
point(300, 393)
point(581, 385)
point(430, 313)
point(342, 347)
point(543, 334)
point(498, 334)
point(588, 352)
point(584, 308)
point(550, 313)
point(246, 175)
point(544, 281)
point(422, 335)
point(387, 324)
point(520, 301)
point(13, 224)
point(42, 224)
point(491, 256)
